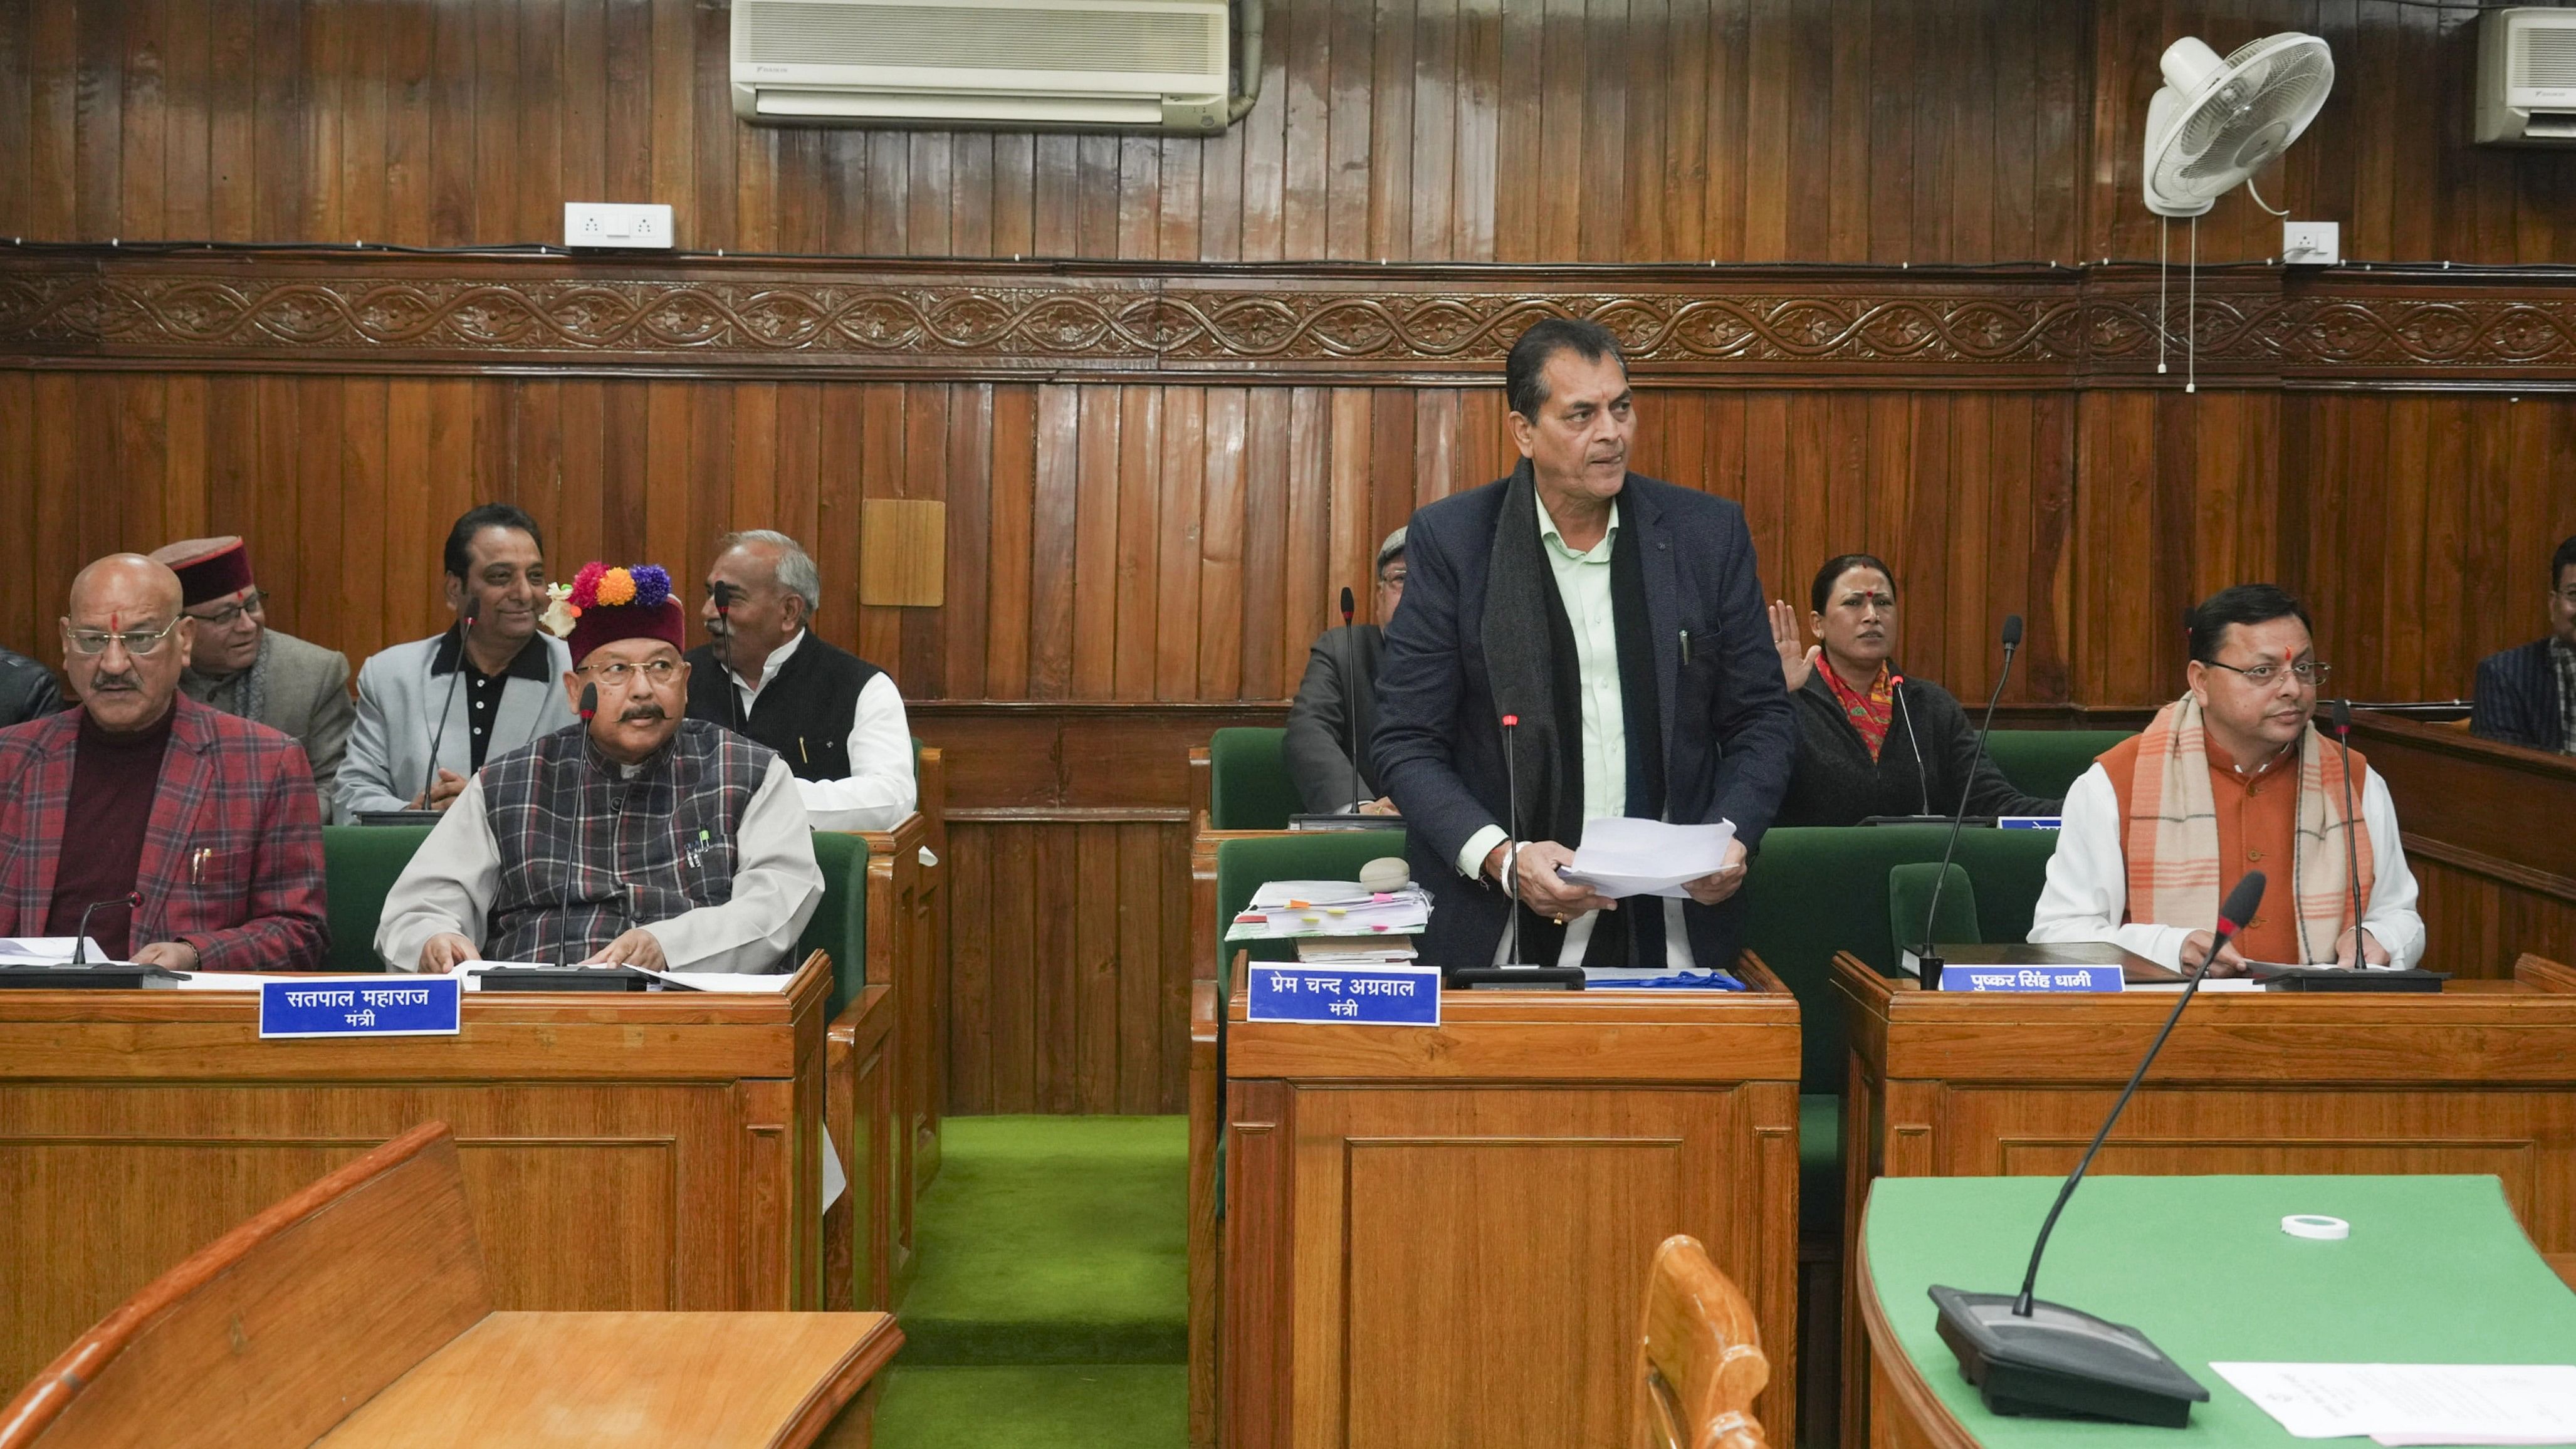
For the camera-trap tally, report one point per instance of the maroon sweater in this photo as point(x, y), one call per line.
point(113, 781)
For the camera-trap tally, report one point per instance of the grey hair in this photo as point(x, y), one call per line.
point(796, 571)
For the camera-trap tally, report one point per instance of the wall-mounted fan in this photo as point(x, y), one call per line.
point(2215, 123)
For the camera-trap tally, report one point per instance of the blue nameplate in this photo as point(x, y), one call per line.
point(1343, 995)
point(2030, 978)
point(377, 1006)
point(2027, 822)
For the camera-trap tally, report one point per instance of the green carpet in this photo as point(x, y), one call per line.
point(1052, 1240)
point(1070, 1406)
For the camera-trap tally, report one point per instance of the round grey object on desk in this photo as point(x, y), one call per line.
point(1386, 873)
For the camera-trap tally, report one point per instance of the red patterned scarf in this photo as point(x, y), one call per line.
point(1869, 713)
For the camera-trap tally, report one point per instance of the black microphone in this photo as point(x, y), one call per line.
point(2351, 823)
point(589, 702)
point(1350, 698)
point(1927, 962)
point(131, 900)
point(2030, 1357)
point(429, 777)
point(1512, 852)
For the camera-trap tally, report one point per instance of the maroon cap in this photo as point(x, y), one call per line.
point(607, 624)
point(208, 568)
point(604, 605)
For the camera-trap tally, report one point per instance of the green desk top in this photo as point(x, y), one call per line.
point(2437, 1270)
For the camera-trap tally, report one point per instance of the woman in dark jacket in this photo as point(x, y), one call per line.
point(1870, 740)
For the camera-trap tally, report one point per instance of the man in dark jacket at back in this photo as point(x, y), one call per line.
point(1620, 620)
point(2527, 696)
point(1336, 705)
point(27, 690)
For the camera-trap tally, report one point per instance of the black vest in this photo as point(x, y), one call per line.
point(804, 714)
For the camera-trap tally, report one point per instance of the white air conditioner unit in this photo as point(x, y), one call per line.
point(1083, 65)
point(2527, 77)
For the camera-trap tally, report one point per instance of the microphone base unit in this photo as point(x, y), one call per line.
point(104, 976)
point(1514, 978)
point(565, 978)
point(1927, 967)
point(2063, 1363)
point(2344, 978)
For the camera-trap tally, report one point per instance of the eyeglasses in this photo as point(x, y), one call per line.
point(659, 671)
point(2308, 672)
point(230, 614)
point(138, 642)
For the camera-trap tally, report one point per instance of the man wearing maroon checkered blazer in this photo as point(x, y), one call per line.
point(210, 821)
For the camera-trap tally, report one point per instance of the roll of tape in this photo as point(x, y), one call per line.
point(2309, 1225)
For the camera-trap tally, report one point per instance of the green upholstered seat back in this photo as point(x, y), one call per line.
point(840, 923)
point(1248, 784)
point(1244, 866)
point(359, 866)
point(1909, 896)
point(1817, 890)
point(2046, 762)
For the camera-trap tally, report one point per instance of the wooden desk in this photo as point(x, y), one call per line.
point(1439, 1236)
point(621, 1152)
point(2485, 828)
point(2478, 1079)
point(700, 1380)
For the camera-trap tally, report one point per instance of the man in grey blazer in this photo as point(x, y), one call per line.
point(432, 711)
point(243, 667)
point(1336, 705)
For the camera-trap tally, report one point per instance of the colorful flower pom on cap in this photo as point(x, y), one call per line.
point(603, 605)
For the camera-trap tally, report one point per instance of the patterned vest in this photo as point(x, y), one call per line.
point(587, 855)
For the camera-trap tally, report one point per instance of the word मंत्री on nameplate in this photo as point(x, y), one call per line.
point(377, 1006)
point(1344, 995)
point(2030, 978)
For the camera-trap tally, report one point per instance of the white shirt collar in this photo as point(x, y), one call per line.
point(769, 669)
point(1599, 552)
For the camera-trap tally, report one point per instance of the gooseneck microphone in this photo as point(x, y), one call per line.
point(589, 702)
point(1927, 961)
point(2351, 825)
point(1350, 700)
point(429, 776)
point(131, 900)
point(2032, 1357)
point(1922, 776)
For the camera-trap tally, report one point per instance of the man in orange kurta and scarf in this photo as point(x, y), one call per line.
point(2234, 777)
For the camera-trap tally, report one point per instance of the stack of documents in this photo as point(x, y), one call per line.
point(1289, 909)
point(47, 950)
point(2415, 1403)
point(1624, 856)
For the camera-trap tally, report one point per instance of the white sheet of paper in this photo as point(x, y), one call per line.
point(47, 950)
point(2415, 1403)
point(1625, 855)
point(834, 1184)
point(252, 980)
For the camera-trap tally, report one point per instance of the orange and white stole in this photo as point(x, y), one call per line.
point(2172, 844)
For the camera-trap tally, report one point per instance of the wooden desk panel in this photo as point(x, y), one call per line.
point(2478, 1079)
point(1441, 1237)
point(654, 1151)
point(2486, 835)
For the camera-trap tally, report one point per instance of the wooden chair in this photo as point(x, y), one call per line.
point(1699, 1358)
point(357, 1309)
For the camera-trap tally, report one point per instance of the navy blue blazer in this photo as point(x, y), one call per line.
point(2516, 700)
point(1730, 733)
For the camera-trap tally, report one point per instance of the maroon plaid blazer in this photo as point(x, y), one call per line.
point(239, 791)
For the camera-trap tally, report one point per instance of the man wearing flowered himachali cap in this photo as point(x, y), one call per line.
point(636, 837)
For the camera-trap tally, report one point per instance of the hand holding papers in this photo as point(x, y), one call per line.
point(1625, 856)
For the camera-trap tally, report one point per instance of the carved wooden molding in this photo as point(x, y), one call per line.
point(1925, 326)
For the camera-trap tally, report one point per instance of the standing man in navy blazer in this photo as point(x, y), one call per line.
point(1621, 620)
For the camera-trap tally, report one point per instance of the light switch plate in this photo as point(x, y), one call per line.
point(2311, 243)
point(616, 224)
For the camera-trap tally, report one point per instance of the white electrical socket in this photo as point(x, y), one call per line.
point(616, 224)
point(2311, 243)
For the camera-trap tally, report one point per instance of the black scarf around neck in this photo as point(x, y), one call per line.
point(1531, 666)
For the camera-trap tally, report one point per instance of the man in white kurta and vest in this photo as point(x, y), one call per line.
point(835, 718)
point(636, 837)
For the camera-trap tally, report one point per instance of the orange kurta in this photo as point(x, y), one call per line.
point(2257, 830)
